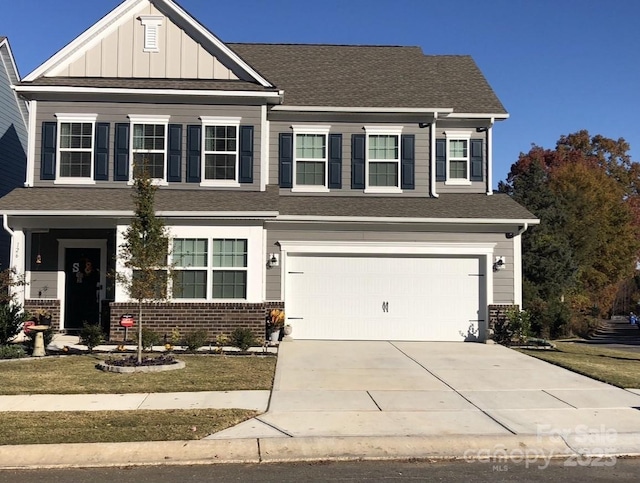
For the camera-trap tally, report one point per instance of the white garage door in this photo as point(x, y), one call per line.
point(383, 298)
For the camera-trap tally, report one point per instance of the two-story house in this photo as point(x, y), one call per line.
point(13, 136)
point(351, 185)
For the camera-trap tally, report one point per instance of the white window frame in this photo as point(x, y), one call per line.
point(180, 268)
point(383, 131)
point(458, 136)
point(208, 121)
point(154, 120)
point(318, 130)
point(75, 118)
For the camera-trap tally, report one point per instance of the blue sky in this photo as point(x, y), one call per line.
point(558, 66)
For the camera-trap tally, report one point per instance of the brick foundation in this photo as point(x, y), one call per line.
point(50, 305)
point(497, 313)
point(215, 318)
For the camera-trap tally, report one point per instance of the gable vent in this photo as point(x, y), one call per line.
point(151, 24)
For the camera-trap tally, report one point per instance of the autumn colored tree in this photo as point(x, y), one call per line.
point(585, 193)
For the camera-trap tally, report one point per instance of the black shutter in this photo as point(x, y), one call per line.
point(174, 167)
point(121, 152)
point(194, 153)
point(246, 154)
point(48, 155)
point(286, 160)
point(358, 159)
point(408, 163)
point(101, 152)
point(335, 161)
point(441, 159)
point(476, 160)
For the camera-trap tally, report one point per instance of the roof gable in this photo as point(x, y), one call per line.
point(114, 47)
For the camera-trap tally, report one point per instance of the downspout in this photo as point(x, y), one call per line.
point(5, 224)
point(432, 156)
point(490, 158)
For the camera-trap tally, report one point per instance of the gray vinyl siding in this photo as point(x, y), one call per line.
point(503, 280)
point(347, 130)
point(184, 114)
point(13, 144)
point(475, 186)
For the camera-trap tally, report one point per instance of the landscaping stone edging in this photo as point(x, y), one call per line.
point(127, 370)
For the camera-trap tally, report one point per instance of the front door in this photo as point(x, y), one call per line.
point(82, 299)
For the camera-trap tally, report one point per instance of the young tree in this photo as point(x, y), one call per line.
point(144, 252)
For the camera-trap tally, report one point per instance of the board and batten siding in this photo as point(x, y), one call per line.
point(347, 130)
point(184, 114)
point(503, 283)
point(121, 54)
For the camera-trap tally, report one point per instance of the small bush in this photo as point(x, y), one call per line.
point(11, 352)
point(149, 338)
point(196, 339)
point(242, 338)
point(514, 328)
point(11, 319)
point(91, 336)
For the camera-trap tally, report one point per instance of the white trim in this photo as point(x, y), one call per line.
point(129, 214)
point(264, 148)
point(17, 258)
point(456, 135)
point(63, 244)
point(155, 92)
point(314, 130)
point(213, 121)
point(462, 115)
point(517, 271)
point(432, 157)
point(392, 130)
point(379, 219)
point(16, 73)
point(383, 131)
point(407, 248)
point(490, 158)
point(383, 189)
point(66, 118)
point(31, 145)
point(416, 110)
point(148, 119)
point(112, 21)
point(151, 24)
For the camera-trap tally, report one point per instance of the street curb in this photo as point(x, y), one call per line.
point(505, 448)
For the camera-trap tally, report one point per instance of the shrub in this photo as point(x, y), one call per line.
point(11, 352)
point(196, 339)
point(11, 319)
point(149, 338)
point(91, 336)
point(242, 338)
point(513, 326)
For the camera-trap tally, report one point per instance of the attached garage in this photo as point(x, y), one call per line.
point(387, 296)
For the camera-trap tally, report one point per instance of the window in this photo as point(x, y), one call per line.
point(220, 151)
point(230, 269)
point(190, 257)
point(458, 153)
point(225, 272)
point(75, 146)
point(383, 158)
point(310, 164)
point(149, 146)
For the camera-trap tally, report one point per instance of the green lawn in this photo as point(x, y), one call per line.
point(616, 367)
point(76, 374)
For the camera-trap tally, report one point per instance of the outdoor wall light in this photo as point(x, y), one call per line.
point(499, 264)
point(273, 260)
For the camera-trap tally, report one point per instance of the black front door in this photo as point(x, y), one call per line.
point(82, 269)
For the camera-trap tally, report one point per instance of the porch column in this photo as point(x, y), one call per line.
point(121, 294)
point(17, 262)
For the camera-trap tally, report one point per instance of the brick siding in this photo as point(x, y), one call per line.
point(497, 313)
point(215, 318)
point(50, 305)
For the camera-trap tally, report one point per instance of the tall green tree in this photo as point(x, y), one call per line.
point(145, 251)
point(585, 192)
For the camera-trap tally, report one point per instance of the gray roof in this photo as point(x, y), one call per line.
point(467, 206)
point(458, 205)
point(120, 199)
point(127, 83)
point(371, 76)
point(2, 38)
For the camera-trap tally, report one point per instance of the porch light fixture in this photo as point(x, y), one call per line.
point(273, 260)
point(499, 264)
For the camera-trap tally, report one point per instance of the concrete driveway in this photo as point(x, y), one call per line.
point(370, 388)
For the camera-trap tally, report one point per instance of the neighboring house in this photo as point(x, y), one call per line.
point(350, 185)
point(13, 136)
